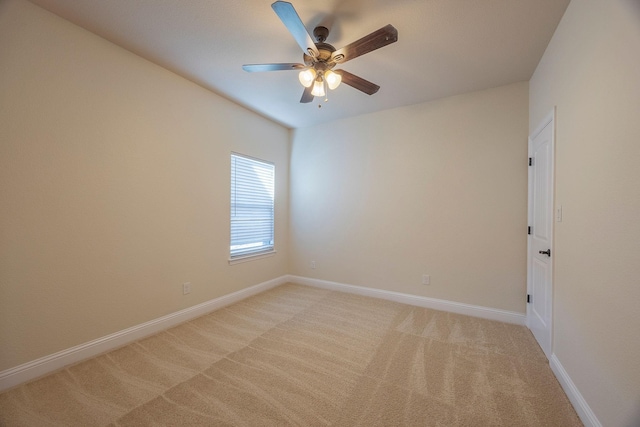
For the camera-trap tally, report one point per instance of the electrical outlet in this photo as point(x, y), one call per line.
point(426, 279)
point(313, 265)
point(186, 288)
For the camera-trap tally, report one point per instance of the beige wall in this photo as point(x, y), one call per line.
point(114, 187)
point(438, 188)
point(591, 72)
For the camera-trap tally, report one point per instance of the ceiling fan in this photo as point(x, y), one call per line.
point(317, 73)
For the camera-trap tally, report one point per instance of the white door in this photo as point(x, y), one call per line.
point(540, 239)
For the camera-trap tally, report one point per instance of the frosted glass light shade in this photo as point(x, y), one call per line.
point(333, 79)
point(318, 88)
point(307, 77)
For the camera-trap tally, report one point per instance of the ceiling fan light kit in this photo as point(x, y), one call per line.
point(319, 58)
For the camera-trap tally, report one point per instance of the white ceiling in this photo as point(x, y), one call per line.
point(444, 48)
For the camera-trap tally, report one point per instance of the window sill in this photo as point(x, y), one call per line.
point(240, 259)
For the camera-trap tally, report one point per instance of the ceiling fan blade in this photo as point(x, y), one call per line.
point(292, 21)
point(376, 40)
point(253, 68)
point(357, 82)
point(306, 95)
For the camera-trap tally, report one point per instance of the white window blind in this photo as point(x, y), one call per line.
point(252, 197)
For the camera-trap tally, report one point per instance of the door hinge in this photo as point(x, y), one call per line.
point(530, 161)
point(529, 299)
point(529, 230)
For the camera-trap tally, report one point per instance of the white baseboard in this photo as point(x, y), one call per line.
point(584, 411)
point(582, 408)
point(45, 365)
point(436, 304)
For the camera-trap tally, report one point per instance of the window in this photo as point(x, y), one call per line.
point(252, 196)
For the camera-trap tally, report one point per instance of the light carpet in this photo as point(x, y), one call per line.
point(298, 355)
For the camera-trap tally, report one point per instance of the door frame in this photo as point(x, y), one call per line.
point(549, 119)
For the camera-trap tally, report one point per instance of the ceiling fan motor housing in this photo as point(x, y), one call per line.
point(325, 54)
point(325, 50)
